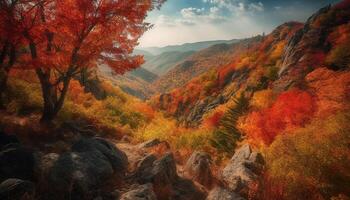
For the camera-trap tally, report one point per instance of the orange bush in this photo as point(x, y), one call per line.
point(291, 109)
point(332, 90)
point(213, 120)
point(145, 109)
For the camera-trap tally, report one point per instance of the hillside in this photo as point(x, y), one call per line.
point(277, 62)
point(136, 83)
point(200, 62)
point(165, 61)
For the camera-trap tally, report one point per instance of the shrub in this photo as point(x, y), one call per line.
point(23, 97)
point(262, 99)
point(312, 162)
point(293, 108)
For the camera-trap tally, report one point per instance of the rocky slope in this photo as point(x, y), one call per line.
point(96, 168)
point(278, 61)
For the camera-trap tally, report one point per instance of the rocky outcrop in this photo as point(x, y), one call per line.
point(198, 168)
point(163, 175)
point(81, 172)
point(140, 192)
point(200, 108)
point(17, 189)
point(243, 169)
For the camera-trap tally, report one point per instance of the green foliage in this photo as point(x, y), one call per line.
point(272, 73)
point(227, 135)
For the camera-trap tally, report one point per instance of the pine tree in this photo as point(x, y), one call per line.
point(227, 135)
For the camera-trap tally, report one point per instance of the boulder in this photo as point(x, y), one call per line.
point(220, 193)
point(116, 157)
point(16, 162)
point(144, 165)
point(162, 174)
point(17, 189)
point(140, 192)
point(198, 169)
point(80, 174)
point(162, 171)
point(243, 169)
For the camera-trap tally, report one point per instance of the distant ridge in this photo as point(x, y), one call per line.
point(186, 47)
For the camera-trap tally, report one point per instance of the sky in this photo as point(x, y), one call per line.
point(186, 21)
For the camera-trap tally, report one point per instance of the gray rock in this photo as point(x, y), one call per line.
point(141, 192)
point(243, 168)
point(162, 174)
point(198, 169)
point(116, 157)
point(80, 173)
point(144, 165)
point(219, 193)
point(17, 189)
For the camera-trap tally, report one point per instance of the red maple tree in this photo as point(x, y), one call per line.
point(65, 36)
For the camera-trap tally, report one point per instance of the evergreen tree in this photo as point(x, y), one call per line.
point(227, 135)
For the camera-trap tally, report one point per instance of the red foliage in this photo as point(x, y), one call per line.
point(292, 109)
point(224, 73)
point(213, 120)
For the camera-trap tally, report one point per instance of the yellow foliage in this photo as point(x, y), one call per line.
point(262, 99)
point(314, 161)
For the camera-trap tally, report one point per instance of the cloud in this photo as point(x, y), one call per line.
point(191, 12)
point(237, 7)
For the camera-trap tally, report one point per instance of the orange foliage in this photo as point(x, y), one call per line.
point(145, 109)
point(291, 109)
point(331, 88)
point(214, 119)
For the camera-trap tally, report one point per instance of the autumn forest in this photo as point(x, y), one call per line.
point(174, 99)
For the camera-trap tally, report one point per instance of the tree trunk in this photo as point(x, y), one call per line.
point(3, 86)
point(5, 69)
point(53, 96)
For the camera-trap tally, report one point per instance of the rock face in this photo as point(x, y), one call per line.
point(141, 192)
point(243, 168)
point(17, 189)
point(166, 182)
point(198, 168)
point(116, 157)
point(220, 193)
point(81, 172)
